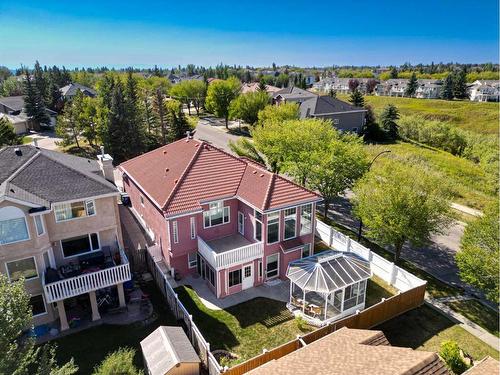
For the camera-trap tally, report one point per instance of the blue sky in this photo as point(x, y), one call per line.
point(314, 33)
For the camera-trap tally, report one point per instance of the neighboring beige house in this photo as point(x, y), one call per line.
point(60, 230)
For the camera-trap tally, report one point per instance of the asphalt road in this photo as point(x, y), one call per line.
point(437, 258)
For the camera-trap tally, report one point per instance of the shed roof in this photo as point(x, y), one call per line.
point(167, 347)
point(328, 271)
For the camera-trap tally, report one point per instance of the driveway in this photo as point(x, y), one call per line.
point(437, 258)
point(212, 130)
point(46, 139)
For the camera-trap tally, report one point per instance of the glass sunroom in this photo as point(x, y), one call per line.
point(328, 286)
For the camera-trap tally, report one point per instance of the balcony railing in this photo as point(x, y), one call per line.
point(230, 257)
point(74, 286)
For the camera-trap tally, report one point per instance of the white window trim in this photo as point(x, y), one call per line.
point(16, 260)
point(27, 230)
point(284, 223)
point(302, 250)
point(210, 217)
point(36, 226)
point(242, 215)
point(241, 277)
point(311, 219)
point(175, 232)
point(192, 227)
point(195, 261)
point(76, 218)
point(277, 268)
point(279, 227)
point(255, 221)
point(44, 305)
point(88, 252)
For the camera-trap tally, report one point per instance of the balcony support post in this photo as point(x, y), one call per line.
point(121, 294)
point(93, 305)
point(62, 315)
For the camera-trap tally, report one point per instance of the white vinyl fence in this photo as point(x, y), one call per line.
point(381, 267)
point(199, 343)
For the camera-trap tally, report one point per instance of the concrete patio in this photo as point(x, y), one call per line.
point(277, 291)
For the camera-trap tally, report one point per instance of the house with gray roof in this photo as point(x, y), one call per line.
point(69, 91)
point(292, 94)
point(13, 109)
point(60, 231)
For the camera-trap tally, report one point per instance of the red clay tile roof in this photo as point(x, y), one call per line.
point(182, 175)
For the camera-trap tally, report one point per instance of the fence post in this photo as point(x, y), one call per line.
point(394, 271)
point(348, 245)
point(330, 242)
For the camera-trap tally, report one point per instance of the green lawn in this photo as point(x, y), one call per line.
point(378, 289)
point(481, 315)
point(469, 183)
point(424, 329)
point(90, 347)
point(473, 116)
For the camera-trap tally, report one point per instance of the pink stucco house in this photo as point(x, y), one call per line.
point(225, 218)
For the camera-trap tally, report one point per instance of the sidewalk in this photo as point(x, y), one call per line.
point(465, 323)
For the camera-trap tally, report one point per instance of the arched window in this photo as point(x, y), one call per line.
point(13, 226)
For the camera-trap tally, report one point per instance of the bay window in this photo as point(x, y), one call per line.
point(258, 226)
point(22, 268)
point(80, 245)
point(74, 210)
point(217, 214)
point(13, 227)
point(273, 227)
point(306, 219)
point(290, 223)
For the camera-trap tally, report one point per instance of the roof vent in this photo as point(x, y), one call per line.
point(166, 170)
point(18, 151)
point(262, 175)
point(164, 152)
point(176, 180)
point(254, 172)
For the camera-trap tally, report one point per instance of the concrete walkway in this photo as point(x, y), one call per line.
point(279, 292)
point(465, 323)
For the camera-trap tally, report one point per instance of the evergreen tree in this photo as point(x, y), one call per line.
point(371, 129)
point(33, 102)
point(394, 72)
point(114, 134)
point(357, 98)
point(262, 86)
point(332, 93)
point(178, 124)
point(69, 125)
point(411, 88)
point(133, 131)
point(460, 85)
point(7, 135)
point(447, 88)
point(40, 80)
point(388, 119)
point(159, 108)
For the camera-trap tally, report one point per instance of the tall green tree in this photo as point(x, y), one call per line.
point(177, 122)
point(447, 88)
point(460, 85)
point(394, 73)
point(69, 125)
point(400, 203)
point(133, 129)
point(478, 258)
point(278, 113)
point(33, 100)
point(120, 362)
point(19, 355)
point(357, 99)
point(246, 107)
point(388, 120)
point(220, 94)
point(7, 135)
point(412, 86)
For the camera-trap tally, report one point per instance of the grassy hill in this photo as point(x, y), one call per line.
point(476, 117)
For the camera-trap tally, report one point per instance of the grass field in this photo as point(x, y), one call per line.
point(473, 116)
point(475, 311)
point(425, 329)
point(469, 183)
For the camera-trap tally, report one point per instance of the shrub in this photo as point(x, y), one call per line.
point(301, 323)
point(450, 352)
point(120, 362)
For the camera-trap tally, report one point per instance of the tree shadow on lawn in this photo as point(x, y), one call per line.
point(267, 312)
point(212, 325)
point(415, 327)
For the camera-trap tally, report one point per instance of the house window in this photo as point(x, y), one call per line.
point(39, 225)
point(38, 305)
point(192, 225)
point(272, 265)
point(234, 278)
point(211, 276)
point(80, 245)
point(305, 219)
point(13, 226)
point(175, 232)
point(260, 270)
point(306, 250)
point(248, 271)
point(217, 214)
point(290, 223)
point(273, 227)
point(192, 260)
point(258, 226)
point(336, 121)
point(74, 210)
point(22, 268)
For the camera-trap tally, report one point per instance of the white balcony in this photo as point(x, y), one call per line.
point(87, 282)
point(229, 251)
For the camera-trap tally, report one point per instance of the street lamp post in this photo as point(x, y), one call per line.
point(369, 167)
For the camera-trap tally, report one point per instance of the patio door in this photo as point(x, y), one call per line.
point(247, 277)
point(241, 223)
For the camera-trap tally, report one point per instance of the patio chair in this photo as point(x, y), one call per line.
point(315, 311)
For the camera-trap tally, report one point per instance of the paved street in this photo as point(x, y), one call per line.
point(213, 131)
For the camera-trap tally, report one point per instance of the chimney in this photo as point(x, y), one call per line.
point(105, 162)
